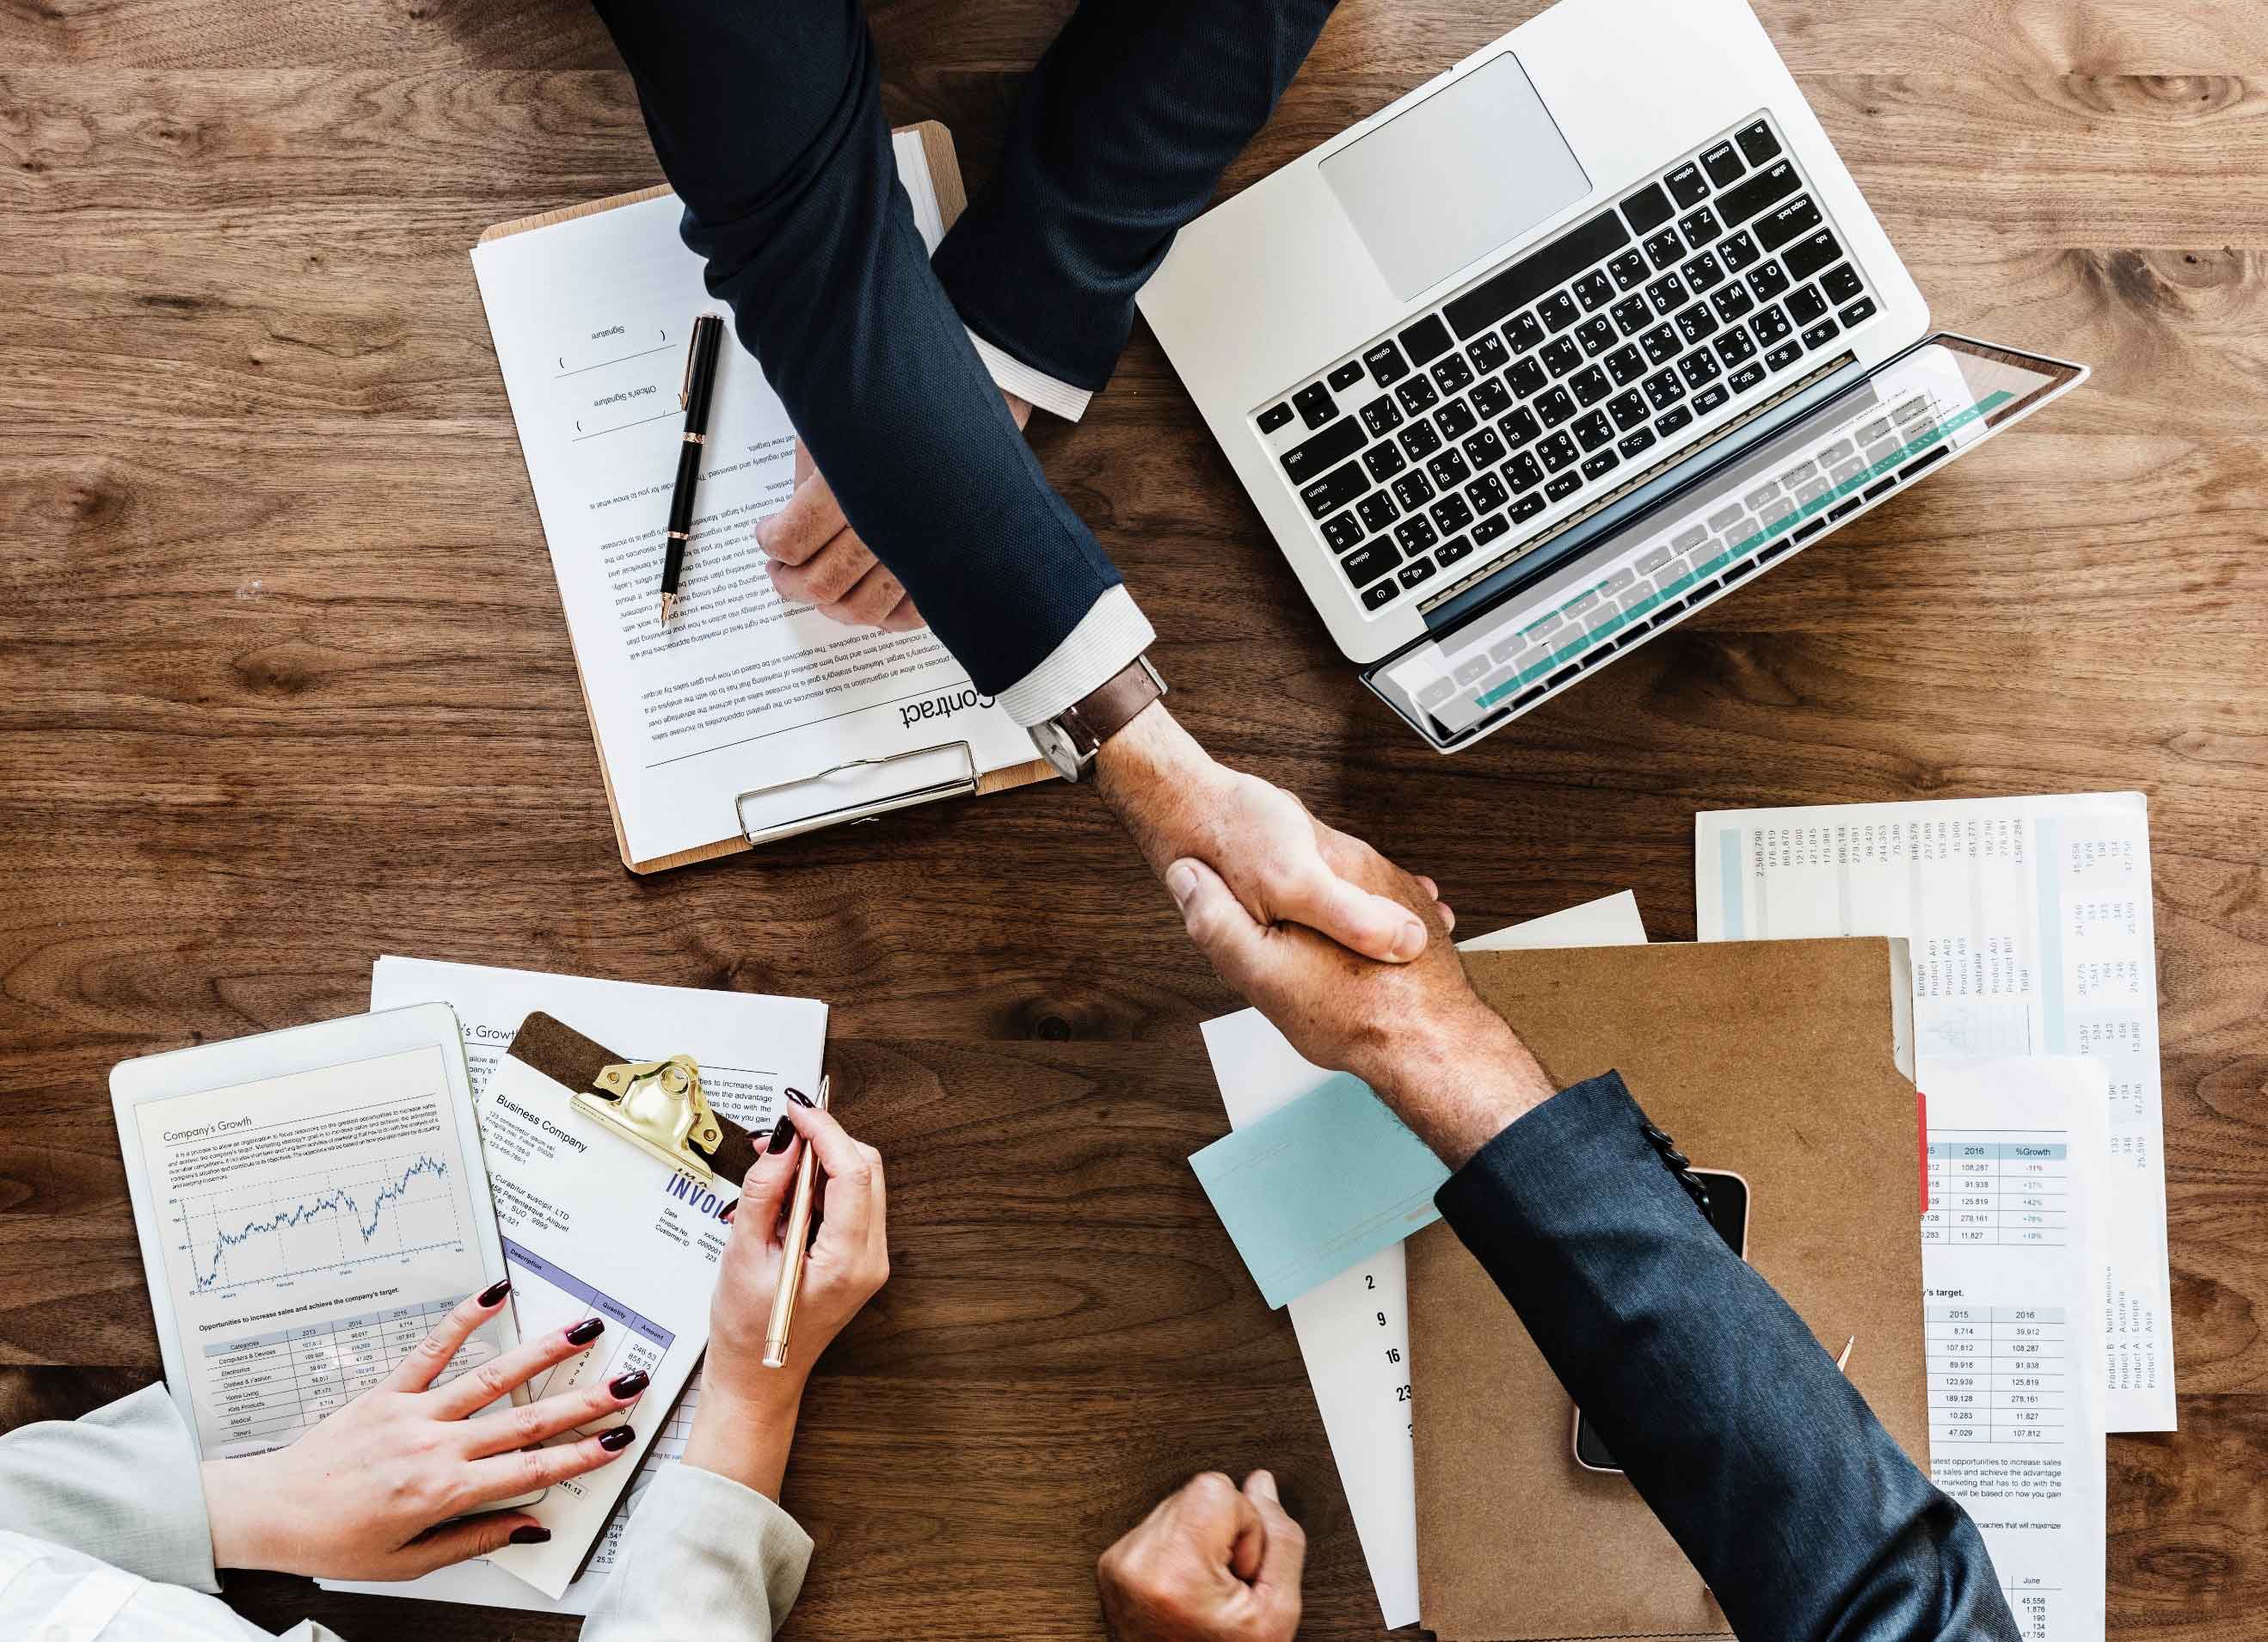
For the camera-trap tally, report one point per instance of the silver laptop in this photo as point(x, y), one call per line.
point(1562, 346)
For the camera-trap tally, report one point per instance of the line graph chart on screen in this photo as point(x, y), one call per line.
point(320, 1221)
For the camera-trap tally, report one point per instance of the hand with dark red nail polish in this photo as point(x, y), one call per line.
point(617, 1440)
point(628, 1386)
point(585, 1331)
point(493, 1295)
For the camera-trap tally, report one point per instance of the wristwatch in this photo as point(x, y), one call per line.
point(1071, 740)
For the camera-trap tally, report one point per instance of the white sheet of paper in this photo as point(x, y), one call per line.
point(2012, 1249)
point(2030, 919)
point(718, 1029)
point(1354, 1331)
point(744, 690)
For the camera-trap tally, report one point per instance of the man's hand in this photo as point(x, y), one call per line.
point(1282, 863)
point(817, 559)
point(1211, 1564)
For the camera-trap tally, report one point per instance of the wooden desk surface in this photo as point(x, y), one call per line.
point(285, 685)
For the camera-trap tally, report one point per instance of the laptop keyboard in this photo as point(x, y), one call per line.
point(1552, 380)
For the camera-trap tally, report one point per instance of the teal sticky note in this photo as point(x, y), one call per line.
point(1319, 1184)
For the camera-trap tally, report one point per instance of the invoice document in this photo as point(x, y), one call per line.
point(744, 692)
point(1354, 1329)
point(2012, 1246)
point(749, 1049)
point(2030, 920)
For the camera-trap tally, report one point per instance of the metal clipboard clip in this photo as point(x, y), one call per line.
point(659, 1108)
point(960, 785)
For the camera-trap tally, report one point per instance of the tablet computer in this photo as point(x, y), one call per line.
point(310, 1203)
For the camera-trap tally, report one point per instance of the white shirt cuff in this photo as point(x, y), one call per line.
point(1108, 637)
point(1011, 375)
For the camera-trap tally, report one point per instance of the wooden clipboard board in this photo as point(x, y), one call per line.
point(951, 199)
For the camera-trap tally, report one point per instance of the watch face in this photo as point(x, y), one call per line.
point(1055, 745)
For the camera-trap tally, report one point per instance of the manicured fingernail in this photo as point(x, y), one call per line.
point(781, 1135)
point(496, 1291)
point(629, 1384)
point(727, 1213)
point(1411, 941)
point(800, 1099)
point(1180, 882)
point(617, 1440)
point(530, 1533)
point(585, 1331)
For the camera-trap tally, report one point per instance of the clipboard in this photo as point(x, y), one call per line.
point(841, 793)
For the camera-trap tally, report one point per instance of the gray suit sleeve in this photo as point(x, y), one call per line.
point(704, 1555)
point(121, 1484)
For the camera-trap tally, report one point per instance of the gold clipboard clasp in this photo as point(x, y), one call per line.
point(657, 1106)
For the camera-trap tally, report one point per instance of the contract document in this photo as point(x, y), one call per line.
point(2012, 1247)
point(724, 725)
point(2030, 920)
point(1354, 1329)
point(725, 1032)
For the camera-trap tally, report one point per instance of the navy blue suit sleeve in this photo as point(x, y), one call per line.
point(1767, 1467)
point(768, 122)
point(1120, 138)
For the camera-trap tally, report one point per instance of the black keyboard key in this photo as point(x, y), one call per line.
point(1555, 407)
point(1822, 334)
point(1599, 466)
point(1519, 427)
point(1526, 378)
point(1806, 256)
point(1625, 365)
point(1487, 352)
point(1842, 285)
point(1419, 440)
point(1739, 251)
point(1767, 281)
point(1384, 460)
point(1449, 469)
point(1710, 399)
point(1371, 562)
point(1597, 334)
point(1660, 344)
point(1519, 284)
point(1594, 430)
point(1341, 531)
point(1562, 356)
point(1377, 511)
point(1627, 410)
point(1699, 368)
point(1274, 417)
point(1746, 377)
point(1346, 375)
point(1484, 450)
point(1314, 456)
point(1381, 416)
point(1418, 396)
point(1648, 209)
point(1590, 385)
point(1783, 356)
point(1630, 270)
point(1791, 222)
point(1387, 364)
point(1491, 398)
point(1858, 313)
point(1735, 346)
point(1487, 493)
point(1451, 513)
point(1455, 419)
point(1771, 325)
point(1452, 551)
point(1668, 294)
point(1695, 323)
point(1768, 187)
point(1453, 374)
point(1733, 572)
point(1723, 163)
point(1564, 486)
point(1490, 528)
point(1663, 389)
point(1632, 314)
point(1427, 340)
point(1756, 142)
point(1411, 574)
point(1671, 422)
point(1524, 333)
point(1527, 508)
point(1412, 491)
point(1665, 249)
point(1805, 306)
point(1636, 441)
point(1704, 272)
point(1315, 405)
point(1558, 311)
point(1335, 489)
point(1556, 451)
point(1835, 515)
point(1380, 594)
point(1687, 186)
point(1701, 228)
point(1417, 534)
point(1523, 473)
point(1732, 302)
point(1594, 290)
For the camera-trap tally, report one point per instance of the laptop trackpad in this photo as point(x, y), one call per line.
point(1476, 165)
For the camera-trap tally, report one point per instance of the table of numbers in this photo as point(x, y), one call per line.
point(2001, 1191)
point(270, 1387)
point(1997, 1373)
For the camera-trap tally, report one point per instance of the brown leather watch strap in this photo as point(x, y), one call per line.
point(1104, 711)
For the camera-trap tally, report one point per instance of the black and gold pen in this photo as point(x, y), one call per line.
point(700, 378)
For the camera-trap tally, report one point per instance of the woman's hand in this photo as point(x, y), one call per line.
point(369, 1493)
point(746, 1417)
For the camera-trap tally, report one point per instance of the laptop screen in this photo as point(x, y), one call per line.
point(1937, 400)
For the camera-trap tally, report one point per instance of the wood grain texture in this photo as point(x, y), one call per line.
point(285, 685)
